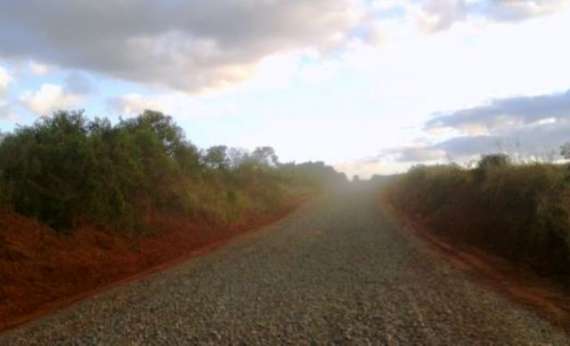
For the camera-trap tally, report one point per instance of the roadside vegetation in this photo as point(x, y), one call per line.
point(518, 211)
point(67, 171)
point(86, 202)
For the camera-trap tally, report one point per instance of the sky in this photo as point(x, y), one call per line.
point(369, 86)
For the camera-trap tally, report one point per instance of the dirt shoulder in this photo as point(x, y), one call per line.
point(42, 271)
point(336, 271)
point(519, 284)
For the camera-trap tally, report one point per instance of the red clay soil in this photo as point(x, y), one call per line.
point(42, 271)
point(521, 285)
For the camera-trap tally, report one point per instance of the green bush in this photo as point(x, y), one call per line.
point(66, 170)
point(489, 163)
point(521, 212)
point(44, 167)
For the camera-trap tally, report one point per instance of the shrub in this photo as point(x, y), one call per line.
point(521, 212)
point(489, 163)
point(44, 167)
point(66, 170)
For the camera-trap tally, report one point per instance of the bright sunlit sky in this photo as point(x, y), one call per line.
point(367, 86)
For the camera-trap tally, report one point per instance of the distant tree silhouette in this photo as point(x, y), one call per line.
point(565, 150)
point(489, 162)
point(217, 157)
point(265, 156)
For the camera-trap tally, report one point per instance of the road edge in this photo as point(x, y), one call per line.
point(520, 285)
point(58, 305)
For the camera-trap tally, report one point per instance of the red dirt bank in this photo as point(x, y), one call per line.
point(521, 285)
point(42, 271)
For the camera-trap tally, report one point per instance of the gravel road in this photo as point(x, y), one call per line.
point(337, 271)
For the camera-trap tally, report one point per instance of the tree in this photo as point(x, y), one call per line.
point(188, 157)
point(565, 150)
point(237, 157)
point(216, 157)
point(265, 156)
point(169, 135)
point(488, 162)
point(46, 165)
point(493, 161)
point(67, 170)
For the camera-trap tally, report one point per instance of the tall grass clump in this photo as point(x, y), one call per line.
point(521, 212)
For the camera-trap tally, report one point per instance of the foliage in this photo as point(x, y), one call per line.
point(518, 211)
point(216, 157)
point(490, 162)
point(493, 161)
point(67, 170)
point(565, 151)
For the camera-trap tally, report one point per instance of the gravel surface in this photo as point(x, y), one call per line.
point(335, 272)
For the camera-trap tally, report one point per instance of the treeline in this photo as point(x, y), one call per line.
point(518, 211)
point(67, 170)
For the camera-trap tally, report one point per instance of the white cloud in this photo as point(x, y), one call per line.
point(49, 98)
point(508, 113)
point(437, 15)
point(517, 10)
point(366, 168)
point(213, 44)
point(531, 127)
point(355, 73)
point(5, 79)
point(415, 154)
point(183, 45)
point(135, 104)
point(529, 141)
point(178, 104)
point(38, 69)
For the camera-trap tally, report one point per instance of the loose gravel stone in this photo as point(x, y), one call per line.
point(336, 272)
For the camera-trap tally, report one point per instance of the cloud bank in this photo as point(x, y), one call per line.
point(530, 127)
point(185, 45)
point(199, 45)
point(5, 79)
point(436, 15)
point(49, 98)
point(506, 113)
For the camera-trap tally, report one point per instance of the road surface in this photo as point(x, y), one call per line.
point(337, 271)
